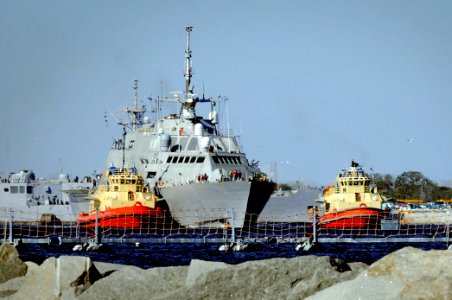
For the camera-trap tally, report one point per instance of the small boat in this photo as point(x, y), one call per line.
point(351, 203)
point(124, 202)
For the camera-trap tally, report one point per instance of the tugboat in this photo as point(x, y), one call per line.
point(124, 202)
point(351, 203)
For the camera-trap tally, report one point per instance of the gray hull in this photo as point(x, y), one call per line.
point(208, 204)
point(30, 201)
point(291, 208)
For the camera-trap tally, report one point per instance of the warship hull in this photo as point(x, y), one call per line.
point(290, 208)
point(22, 198)
point(217, 204)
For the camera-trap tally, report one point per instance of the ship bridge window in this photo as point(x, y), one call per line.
point(187, 159)
point(175, 158)
point(6, 189)
point(221, 159)
point(192, 159)
point(29, 190)
point(200, 159)
point(168, 160)
point(215, 159)
point(151, 174)
point(181, 159)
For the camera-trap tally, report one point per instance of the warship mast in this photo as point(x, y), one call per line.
point(187, 73)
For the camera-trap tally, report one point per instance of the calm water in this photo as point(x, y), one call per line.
point(158, 255)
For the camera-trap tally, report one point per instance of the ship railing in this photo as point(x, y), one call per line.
point(217, 225)
point(226, 132)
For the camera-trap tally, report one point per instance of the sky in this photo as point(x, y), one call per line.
point(311, 85)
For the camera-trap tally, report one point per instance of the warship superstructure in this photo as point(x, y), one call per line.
point(198, 170)
point(28, 198)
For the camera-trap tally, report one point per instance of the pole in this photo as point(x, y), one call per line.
point(314, 226)
point(96, 227)
point(232, 225)
point(10, 238)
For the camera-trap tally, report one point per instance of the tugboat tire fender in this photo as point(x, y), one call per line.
point(363, 205)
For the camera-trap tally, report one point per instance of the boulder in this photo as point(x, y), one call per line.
point(56, 275)
point(408, 273)
point(135, 283)
point(10, 264)
point(198, 268)
point(276, 278)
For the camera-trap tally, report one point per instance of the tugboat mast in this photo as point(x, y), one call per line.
point(188, 73)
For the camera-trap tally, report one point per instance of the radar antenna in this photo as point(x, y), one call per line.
point(188, 70)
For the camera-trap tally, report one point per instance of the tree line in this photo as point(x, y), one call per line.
point(410, 185)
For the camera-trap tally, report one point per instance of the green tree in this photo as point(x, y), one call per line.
point(413, 185)
point(384, 183)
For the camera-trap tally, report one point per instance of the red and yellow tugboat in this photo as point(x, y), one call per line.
point(350, 203)
point(124, 202)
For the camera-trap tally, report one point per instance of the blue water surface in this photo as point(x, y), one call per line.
point(178, 254)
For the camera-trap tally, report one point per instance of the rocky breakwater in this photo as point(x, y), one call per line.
point(409, 273)
point(72, 277)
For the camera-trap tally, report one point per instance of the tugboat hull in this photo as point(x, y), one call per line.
point(127, 217)
point(355, 218)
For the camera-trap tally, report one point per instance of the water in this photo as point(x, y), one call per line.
point(162, 255)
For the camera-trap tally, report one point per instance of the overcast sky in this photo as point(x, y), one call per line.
point(311, 84)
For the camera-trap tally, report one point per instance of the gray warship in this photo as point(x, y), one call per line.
point(25, 197)
point(197, 169)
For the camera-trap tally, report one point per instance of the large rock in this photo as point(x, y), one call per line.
point(58, 275)
point(135, 283)
point(10, 264)
point(276, 278)
point(409, 273)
